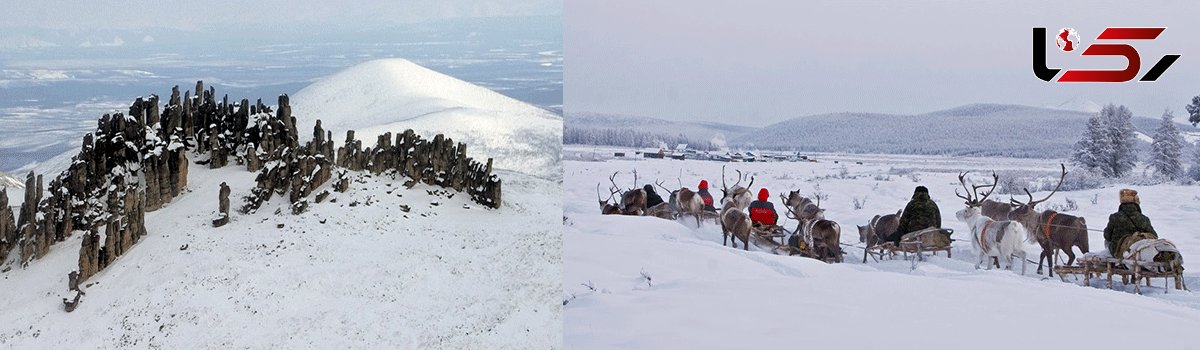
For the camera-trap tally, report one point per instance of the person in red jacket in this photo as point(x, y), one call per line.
point(762, 211)
point(707, 197)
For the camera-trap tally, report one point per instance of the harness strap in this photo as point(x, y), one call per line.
point(1052, 215)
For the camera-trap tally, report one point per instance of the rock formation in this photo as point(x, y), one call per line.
point(222, 206)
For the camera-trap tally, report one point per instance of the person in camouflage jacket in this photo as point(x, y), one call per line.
point(1125, 222)
point(920, 213)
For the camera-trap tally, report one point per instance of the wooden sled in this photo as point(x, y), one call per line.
point(776, 241)
point(916, 243)
point(1132, 269)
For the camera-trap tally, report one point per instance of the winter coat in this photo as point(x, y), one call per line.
point(763, 213)
point(708, 200)
point(652, 198)
point(1125, 222)
point(920, 213)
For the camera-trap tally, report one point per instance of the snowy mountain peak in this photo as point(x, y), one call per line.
point(391, 95)
point(1079, 104)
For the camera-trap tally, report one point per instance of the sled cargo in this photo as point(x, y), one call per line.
point(917, 243)
point(1144, 262)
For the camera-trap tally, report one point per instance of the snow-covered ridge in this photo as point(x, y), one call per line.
point(395, 94)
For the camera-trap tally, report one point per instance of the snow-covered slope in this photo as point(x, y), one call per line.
point(10, 181)
point(352, 272)
point(395, 94)
point(699, 294)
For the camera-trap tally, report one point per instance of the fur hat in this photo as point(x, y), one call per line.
point(1129, 196)
point(704, 184)
point(921, 189)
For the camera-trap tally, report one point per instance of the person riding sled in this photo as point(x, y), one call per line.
point(706, 197)
point(920, 213)
point(762, 212)
point(652, 198)
point(1128, 225)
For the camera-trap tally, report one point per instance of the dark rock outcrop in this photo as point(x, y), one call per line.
point(222, 206)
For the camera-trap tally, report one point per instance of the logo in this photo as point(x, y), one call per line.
point(1108, 44)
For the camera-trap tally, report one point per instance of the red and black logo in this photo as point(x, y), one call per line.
point(1068, 40)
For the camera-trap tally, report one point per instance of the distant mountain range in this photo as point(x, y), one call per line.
point(970, 130)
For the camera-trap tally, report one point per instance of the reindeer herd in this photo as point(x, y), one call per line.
point(813, 232)
point(998, 229)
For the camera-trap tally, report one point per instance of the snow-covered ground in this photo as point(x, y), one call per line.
point(699, 294)
point(356, 271)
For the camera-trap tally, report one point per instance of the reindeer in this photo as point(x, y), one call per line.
point(1050, 228)
point(633, 201)
point(824, 236)
point(999, 239)
point(664, 210)
point(607, 208)
point(739, 195)
point(801, 205)
point(879, 226)
point(735, 222)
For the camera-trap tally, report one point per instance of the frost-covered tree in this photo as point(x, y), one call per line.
point(1194, 111)
point(1194, 172)
point(1166, 151)
point(1123, 140)
point(1093, 147)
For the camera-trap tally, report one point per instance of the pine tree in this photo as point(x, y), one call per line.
point(1122, 155)
point(1093, 146)
point(1194, 111)
point(1167, 149)
point(1194, 172)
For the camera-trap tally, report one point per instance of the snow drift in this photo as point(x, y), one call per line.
point(395, 94)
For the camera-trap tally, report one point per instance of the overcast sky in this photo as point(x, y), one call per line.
point(200, 15)
point(756, 62)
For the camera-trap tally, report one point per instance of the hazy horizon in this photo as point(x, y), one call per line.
point(759, 62)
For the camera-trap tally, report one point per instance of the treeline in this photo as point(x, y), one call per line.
point(632, 138)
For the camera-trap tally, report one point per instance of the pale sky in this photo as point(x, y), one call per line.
point(757, 62)
point(198, 15)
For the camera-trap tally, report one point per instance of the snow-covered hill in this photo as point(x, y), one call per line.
point(395, 94)
point(971, 130)
point(637, 282)
point(1079, 104)
point(379, 266)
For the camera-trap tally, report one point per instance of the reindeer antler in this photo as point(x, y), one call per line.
point(660, 185)
point(611, 194)
point(680, 178)
point(973, 198)
point(1033, 203)
point(612, 179)
point(635, 183)
point(724, 188)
